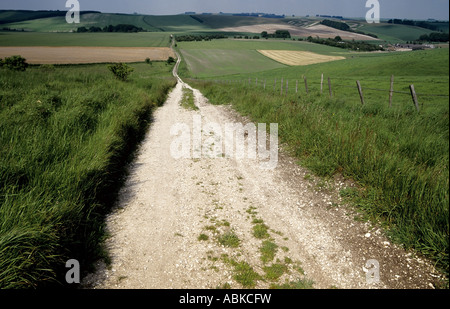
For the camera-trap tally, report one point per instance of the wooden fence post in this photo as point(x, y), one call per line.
point(321, 84)
point(414, 97)
point(391, 92)
point(275, 85)
point(282, 84)
point(360, 92)
point(329, 87)
point(287, 87)
point(296, 86)
point(306, 83)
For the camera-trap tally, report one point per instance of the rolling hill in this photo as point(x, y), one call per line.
point(54, 21)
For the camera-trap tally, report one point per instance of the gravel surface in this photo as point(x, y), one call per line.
point(167, 204)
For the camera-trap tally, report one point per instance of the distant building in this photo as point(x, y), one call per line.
point(330, 16)
point(265, 15)
point(404, 47)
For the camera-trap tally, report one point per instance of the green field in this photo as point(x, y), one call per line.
point(426, 70)
point(222, 21)
point(399, 157)
point(143, 39)
point(228, 56)
point(242, 44)
point(171, 23)
point(67, 133)
point(217, 62)
point(394, 33)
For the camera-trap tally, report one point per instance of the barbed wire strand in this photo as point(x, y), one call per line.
point(262, 81)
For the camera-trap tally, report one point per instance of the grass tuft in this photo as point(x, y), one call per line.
point(229, 239)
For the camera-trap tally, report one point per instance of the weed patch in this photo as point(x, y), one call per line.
point(268, 251)
point(229, 239)
point(243, 272)
point(187, 100)
point(260, 231)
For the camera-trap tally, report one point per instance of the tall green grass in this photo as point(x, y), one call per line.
point(66, 135)
point(399, 157)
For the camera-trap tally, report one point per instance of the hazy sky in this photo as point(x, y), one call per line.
point(414, 9)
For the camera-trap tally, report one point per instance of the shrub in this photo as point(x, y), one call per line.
point(15, 63)
point(121, 71)
point(170, 60)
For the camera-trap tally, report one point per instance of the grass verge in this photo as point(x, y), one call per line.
point(398, 156)
point(66, 136)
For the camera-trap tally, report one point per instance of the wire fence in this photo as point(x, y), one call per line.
point(329, 86)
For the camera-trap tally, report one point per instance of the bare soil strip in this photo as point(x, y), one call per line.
point(299, 58)
point(169, 226)
point(81, 55)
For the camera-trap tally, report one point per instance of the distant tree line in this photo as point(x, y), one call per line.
point(119, 28)
point(279, 34)
point(11, 29)
point(435, 37)
point(418, 23)
point(352, 45)
point(197, 19)
point(335, 24)
point(198, 38)
point(329, 16)
point(14, 16)
point(344, 27)
point(259, 15)
point(255, 37)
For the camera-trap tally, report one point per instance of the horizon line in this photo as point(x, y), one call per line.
point(232, 14)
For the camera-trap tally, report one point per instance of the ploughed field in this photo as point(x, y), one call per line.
point(79, 54)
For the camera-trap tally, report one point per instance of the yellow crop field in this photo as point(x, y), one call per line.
point(293, 58)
